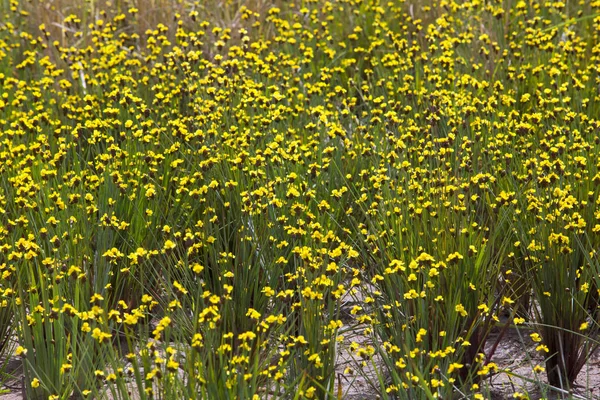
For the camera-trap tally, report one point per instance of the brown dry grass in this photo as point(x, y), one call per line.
point(150, 13)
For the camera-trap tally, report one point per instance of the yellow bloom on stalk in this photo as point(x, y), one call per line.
point(459, 308)
point(535, 337)
point(130, 319)
point(249, 335)
point(310, 392)
point(507, 301)
point(542, 348)
point(21, 351)
point(65, 368)
point(197, 268)
point(252, 313)
point(538, 369)
point(316, 359)
point(454, 366)
point(180, 288)
point(454, 258)
point(172, 365)
point(100, 336)
point(113, 254)
point(162, 325)
point(435, 383)
point(169, 245)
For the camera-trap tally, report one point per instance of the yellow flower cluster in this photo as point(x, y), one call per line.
point(199, 210)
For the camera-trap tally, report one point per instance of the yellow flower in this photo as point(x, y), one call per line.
point(21, 351)
point(538, 369)
point(65, 368)
point(130, 319)
point(169, 245)
point(100, 336)
point(543, 348)
point(197, 341)
point(507, 300)
point(459, 308)
point(172, 365)
point(535, 337)
point(454, 366)
point(197, 268)
point(180, 287)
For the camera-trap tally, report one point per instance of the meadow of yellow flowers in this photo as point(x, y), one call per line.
point(211, 203)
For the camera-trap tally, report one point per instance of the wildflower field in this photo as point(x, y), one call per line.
point(219, 199)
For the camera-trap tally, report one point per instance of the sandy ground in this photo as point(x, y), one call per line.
point(515, 355)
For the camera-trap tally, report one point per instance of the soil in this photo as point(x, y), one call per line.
point(515, 356)
point(516, 353)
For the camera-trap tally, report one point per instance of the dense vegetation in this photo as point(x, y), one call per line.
point(203, 206)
